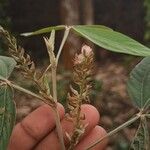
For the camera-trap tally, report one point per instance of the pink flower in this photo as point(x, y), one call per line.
point(86, 50)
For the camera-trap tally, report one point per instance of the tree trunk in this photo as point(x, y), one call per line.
point(87, 13)
point(70, 15)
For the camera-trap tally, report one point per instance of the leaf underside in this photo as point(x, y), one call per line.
point(112, 40)
point(7, 115)
point(141, 139)
point(138, 84)
point(7, 65)
point(44, 30)
point(7, 106)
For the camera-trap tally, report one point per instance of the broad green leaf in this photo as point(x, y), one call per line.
point(141, 139)
point(44, 30)
point(7, 107)
point(138, 85)
point(7, 65)
point(112, 40)
point(93, 26)
point(7, 115)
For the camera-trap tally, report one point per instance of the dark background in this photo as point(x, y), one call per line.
point(126, 16)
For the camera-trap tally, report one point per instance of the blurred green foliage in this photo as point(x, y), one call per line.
point(96, 89)
point(4, 18)
point(121, 144)
point(147, 21)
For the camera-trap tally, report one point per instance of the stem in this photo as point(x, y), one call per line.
point(50, 48)
point(24, 90)
point(66, 33)
point(130, 121)
point(146, 105)
point(54, 84)
point(147, 116)
point(75, 136)
point(17, 87)
point(57, 117)
point(46, 70)
point(59, 128)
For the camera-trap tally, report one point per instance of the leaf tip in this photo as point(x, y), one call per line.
point(26, 34)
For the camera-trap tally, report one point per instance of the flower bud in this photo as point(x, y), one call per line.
point(86, 50)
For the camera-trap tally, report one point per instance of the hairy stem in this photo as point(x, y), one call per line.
point(130, 121)
point(147, 116)
point(66, 33)
point(59, 128)
point(57, 117)
point(54, 84)
point(50, 42)
point(17, 87)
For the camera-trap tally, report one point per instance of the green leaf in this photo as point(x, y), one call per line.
point(7, 106)
point(141, 139)
point(44, 30)
point(93, 26)
point(112, 40)
point(7, 115)
point(138, 84)
point(7, 65)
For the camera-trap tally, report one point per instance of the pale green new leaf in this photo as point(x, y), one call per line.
point(112, 40)
point(138, 85)
point(7, 65)
point(44, 30)
point(59, 27)
point(141, 139)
